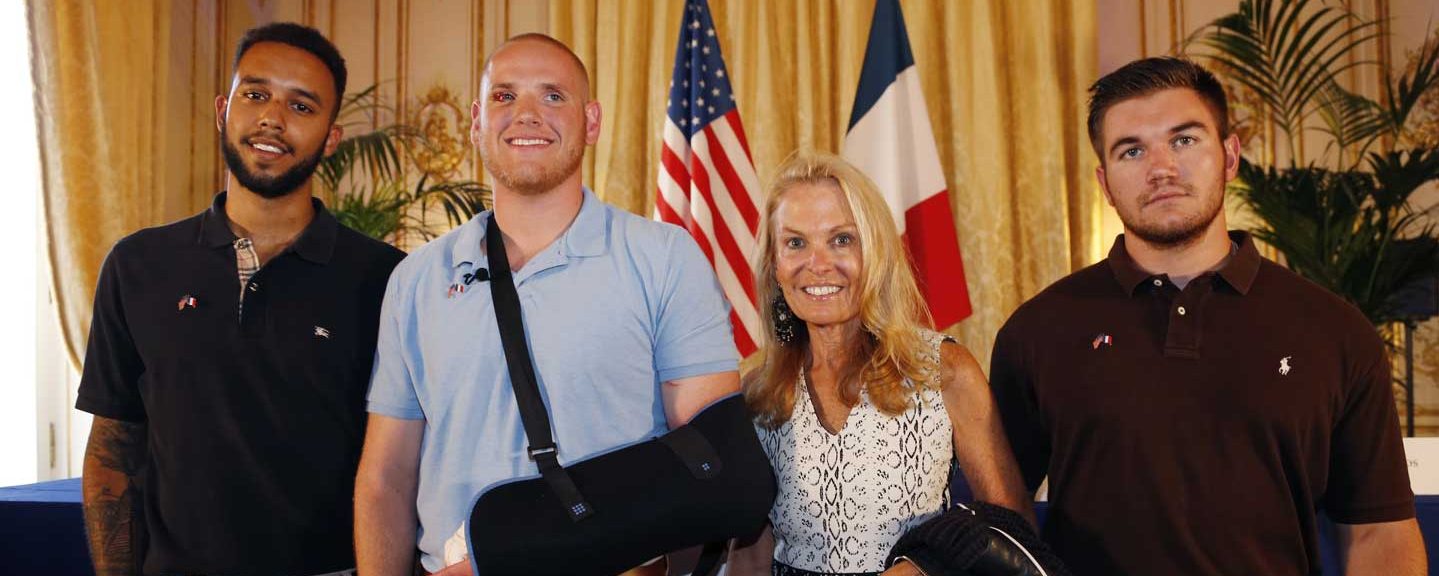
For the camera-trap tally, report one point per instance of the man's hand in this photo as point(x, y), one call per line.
point(113, 506)
point(903, 568)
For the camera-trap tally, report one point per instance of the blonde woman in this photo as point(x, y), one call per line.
point(860, 406)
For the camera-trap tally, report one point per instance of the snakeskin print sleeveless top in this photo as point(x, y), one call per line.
point(845, 499)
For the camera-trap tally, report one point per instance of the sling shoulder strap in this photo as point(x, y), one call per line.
point(536, 420)
point(533, 416)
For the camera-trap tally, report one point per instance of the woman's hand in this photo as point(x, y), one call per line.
point(903, 568)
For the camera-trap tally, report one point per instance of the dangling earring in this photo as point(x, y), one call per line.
point(785, 321)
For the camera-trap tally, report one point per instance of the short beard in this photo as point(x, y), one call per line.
point(1184, 234)
point(532, 180)
point(268, 187)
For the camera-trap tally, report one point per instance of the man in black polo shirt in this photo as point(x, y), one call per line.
point(230, 352)
point(1193, 404)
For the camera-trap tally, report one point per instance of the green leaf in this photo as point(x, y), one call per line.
point(1352, 232)
point(1405, 94)
point(377, 214)
point(461, 200)
point(1286, 52)
point(1351, 119)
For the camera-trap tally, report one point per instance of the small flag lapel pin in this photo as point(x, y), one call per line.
point(1101, 340)
point(186, 301)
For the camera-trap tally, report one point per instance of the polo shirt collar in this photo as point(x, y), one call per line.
point(466, 249)
point(1244, 266)
point(586, 236)
point(214, 225)
point(316, 243)
point(1239, 272)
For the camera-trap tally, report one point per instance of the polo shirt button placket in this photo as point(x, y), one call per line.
point(1185, 331)
point(252, 320)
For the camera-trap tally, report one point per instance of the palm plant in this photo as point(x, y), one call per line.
point(364, 181)
point(1351, 229)
point(1287, 52)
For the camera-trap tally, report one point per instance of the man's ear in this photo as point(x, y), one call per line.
point(592, 122)
point(1103, 184)
point(222, 105)
point(475, 122)
point(332, 141)
point(1232, 152)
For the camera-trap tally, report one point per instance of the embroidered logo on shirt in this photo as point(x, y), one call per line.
point(322, 332)
point(186, 301)
point(1284, 365)
point(1102, 340)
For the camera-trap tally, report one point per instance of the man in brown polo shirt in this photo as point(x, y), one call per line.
point(1193, 404)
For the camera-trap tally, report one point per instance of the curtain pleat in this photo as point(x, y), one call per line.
point(104, 99)
point(1005, 82)
point(122, 88)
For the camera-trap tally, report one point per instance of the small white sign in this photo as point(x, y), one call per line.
point(1423, 457)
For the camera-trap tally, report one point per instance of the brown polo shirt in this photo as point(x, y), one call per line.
point(1198, 431)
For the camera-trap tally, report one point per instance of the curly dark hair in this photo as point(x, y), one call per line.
point(304, 38)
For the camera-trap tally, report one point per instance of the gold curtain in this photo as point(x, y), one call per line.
point(1004, 80)
point(127, 138)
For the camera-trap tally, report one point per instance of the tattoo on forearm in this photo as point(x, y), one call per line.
point(113, 506)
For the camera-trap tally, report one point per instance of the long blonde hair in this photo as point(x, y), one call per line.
point(891, 309)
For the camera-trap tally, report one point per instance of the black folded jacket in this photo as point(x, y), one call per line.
point(980, 539)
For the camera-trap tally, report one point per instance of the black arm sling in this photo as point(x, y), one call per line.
point(702, 483)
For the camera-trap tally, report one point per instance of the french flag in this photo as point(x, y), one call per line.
point(890, 140)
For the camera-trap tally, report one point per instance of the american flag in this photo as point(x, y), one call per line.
point(707, 182)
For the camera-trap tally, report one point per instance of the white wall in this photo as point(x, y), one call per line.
point(19, 249)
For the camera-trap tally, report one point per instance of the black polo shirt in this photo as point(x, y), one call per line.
point(1198, 431)
point(255, 422)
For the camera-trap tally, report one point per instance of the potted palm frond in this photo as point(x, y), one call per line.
point(1349, 223)
point(365, 181)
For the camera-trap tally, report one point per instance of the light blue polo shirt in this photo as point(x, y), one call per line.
point(617, 305)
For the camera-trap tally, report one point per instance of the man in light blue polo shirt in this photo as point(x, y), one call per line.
point(627, 325)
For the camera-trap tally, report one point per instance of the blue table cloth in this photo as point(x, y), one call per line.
point(42, 530)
